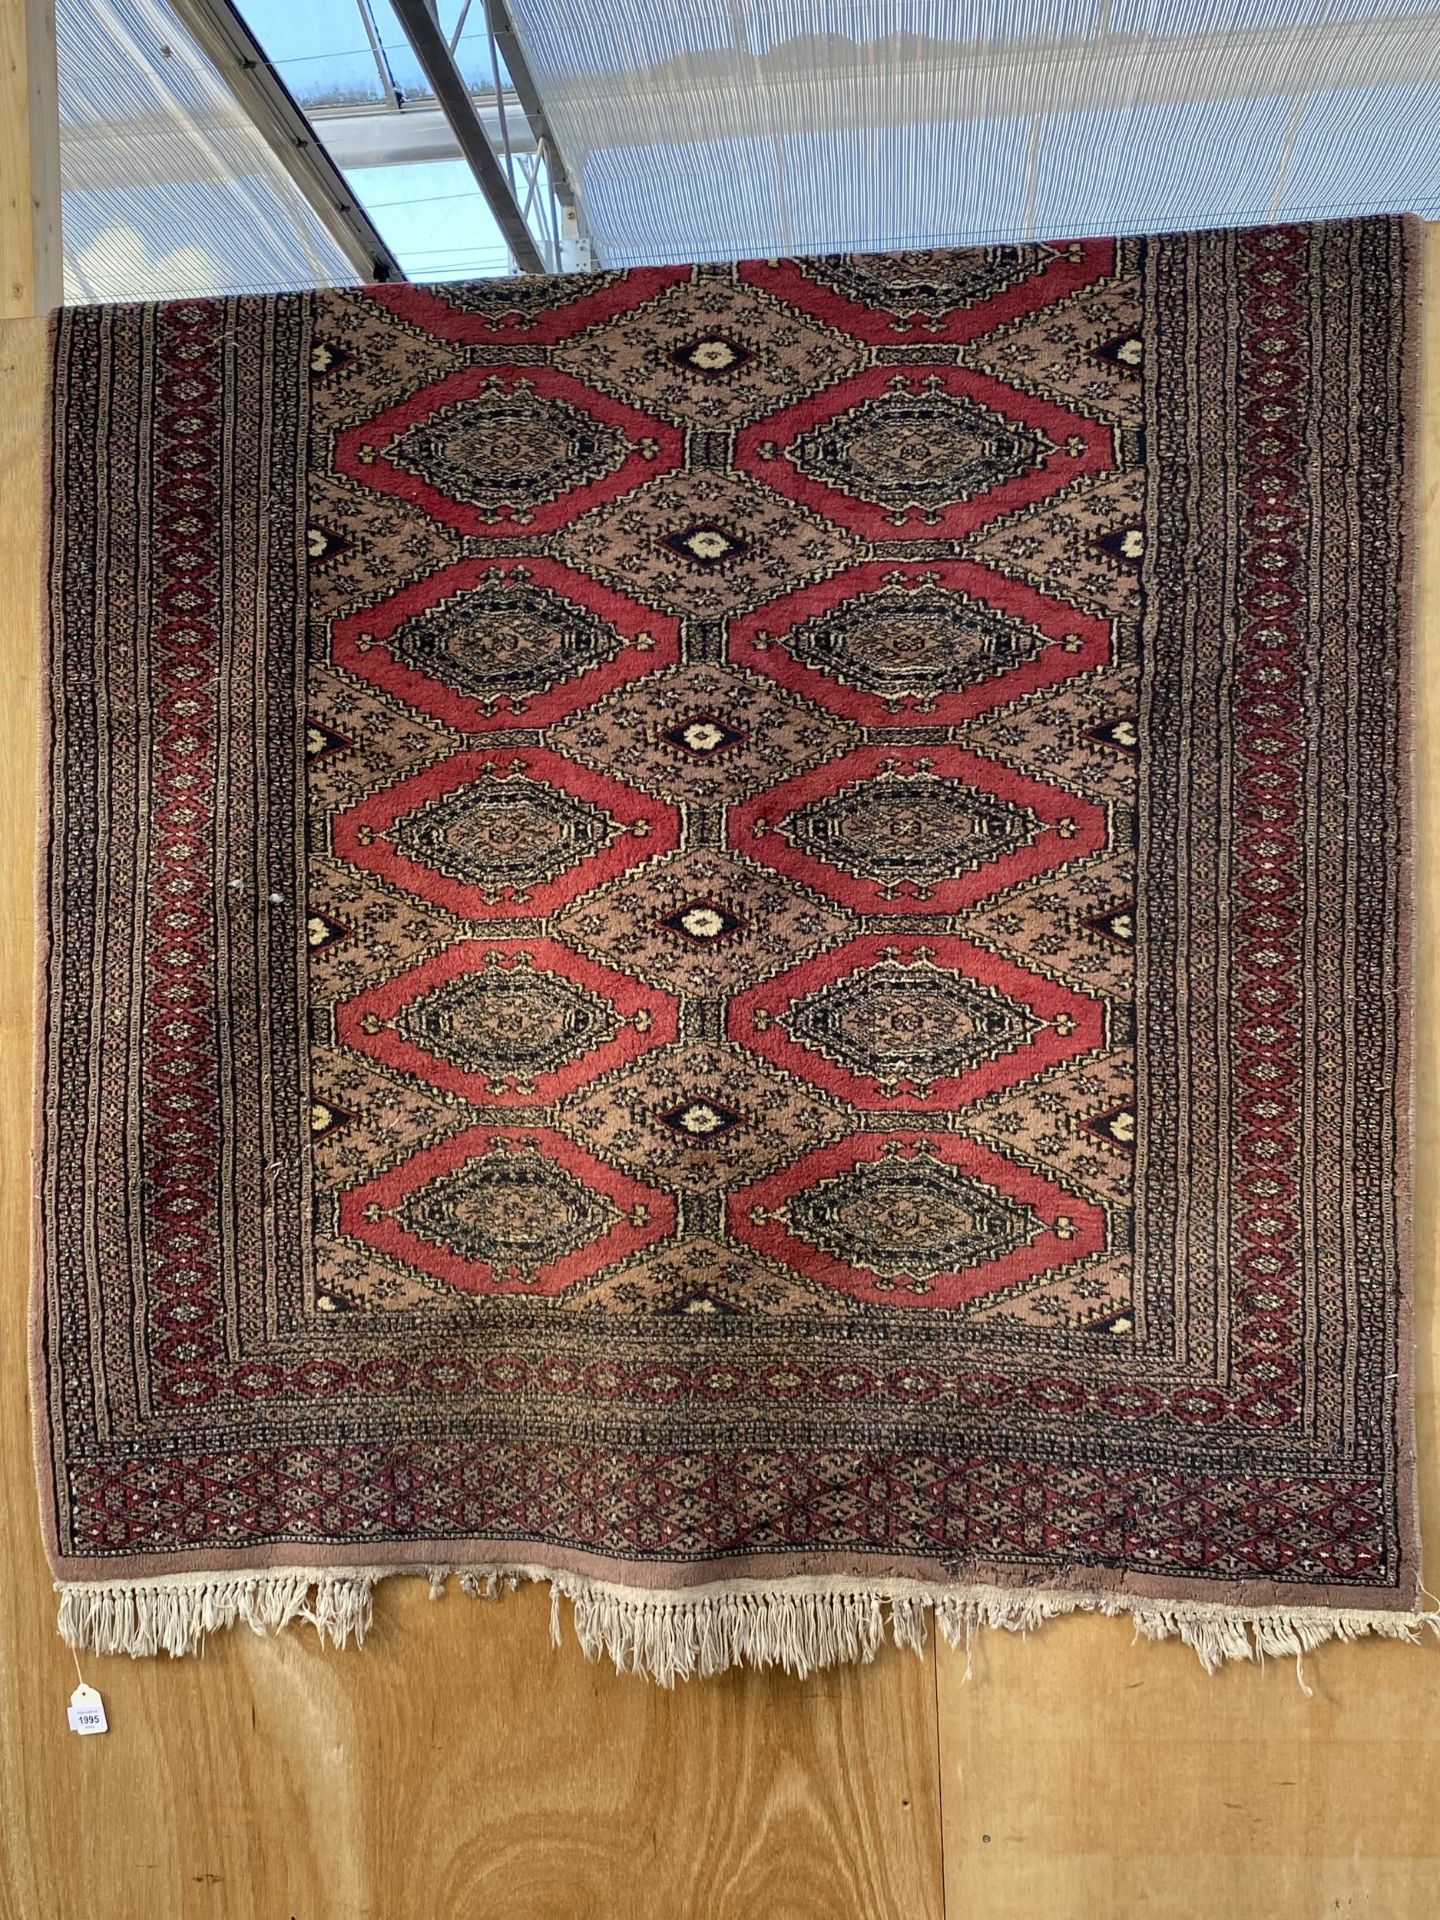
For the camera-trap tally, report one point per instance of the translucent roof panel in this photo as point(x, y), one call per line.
point(167, 187)
point(727, 128)
point(738, 127)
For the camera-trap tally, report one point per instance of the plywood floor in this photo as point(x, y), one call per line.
point(459, 1766)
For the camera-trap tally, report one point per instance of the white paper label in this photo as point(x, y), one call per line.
point(86, 1711)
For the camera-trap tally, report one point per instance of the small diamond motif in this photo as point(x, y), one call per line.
point(713, 354)
point(705, 545)
point(702, 737)
point(702, 920)
point(677, 543)
point(698, 1117)
point(703, 733)
point(701, 1120)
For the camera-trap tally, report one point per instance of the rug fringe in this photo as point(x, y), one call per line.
point(799, 1625)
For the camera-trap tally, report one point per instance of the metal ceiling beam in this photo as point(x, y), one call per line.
point(241, 61)
point(437, 63)
point(518, 68)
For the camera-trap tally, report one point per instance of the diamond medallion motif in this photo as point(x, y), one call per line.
point(504, 641)
point(522, 312)
point(912, 645)
point(703, 733)
point(908, 1023)
point(929, 287)
point(940, 299)
point(515, 1211)
point(507, 304)
point(938, 830)
point(697, 1117)
point(917, 453)
point(508, 449)
point(906, 832)
point(503, 1022)
point(704, 543)
point(918, 642)
point(490, 642)
point(933, 1024)
point(701, 922)
point(510, 1209)
point(502, 832)
point(907, 1217)
point(914, 1221)
point(491, 451)
point(510, 1025)
point(503, 836)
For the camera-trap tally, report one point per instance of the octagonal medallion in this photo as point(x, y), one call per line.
point(503, 832)
point(494, 642)
point(506, 1022)
point(923, 1025)
point(490, 449)
point(914, 1220)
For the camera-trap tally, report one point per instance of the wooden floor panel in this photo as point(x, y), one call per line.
point(461, 1766)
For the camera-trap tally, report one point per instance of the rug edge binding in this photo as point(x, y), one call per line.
point(799, 1625)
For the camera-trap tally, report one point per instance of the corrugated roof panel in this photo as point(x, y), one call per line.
point(167, 187)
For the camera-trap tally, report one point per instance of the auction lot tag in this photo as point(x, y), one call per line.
point(86, 1710)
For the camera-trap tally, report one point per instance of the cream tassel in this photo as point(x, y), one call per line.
point(799, 1625)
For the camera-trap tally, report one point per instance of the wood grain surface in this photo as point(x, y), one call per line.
point(31, 262)
point(460, 1766)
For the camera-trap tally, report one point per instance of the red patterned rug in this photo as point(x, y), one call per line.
point(736, 937)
